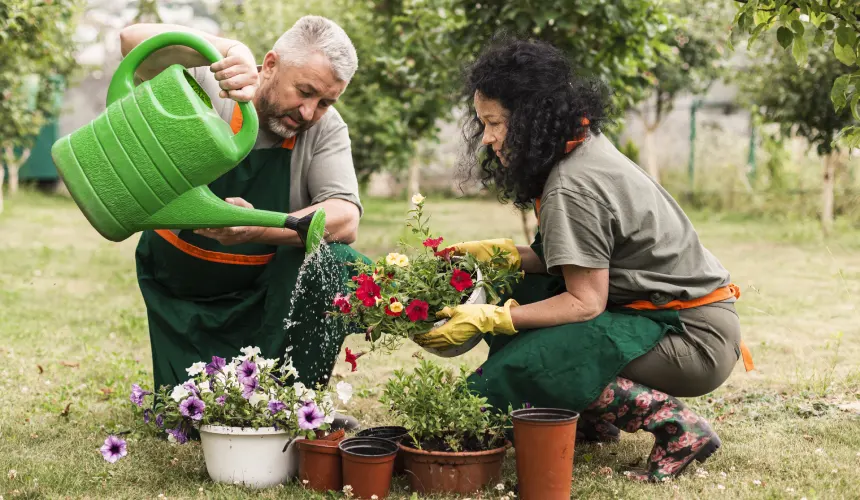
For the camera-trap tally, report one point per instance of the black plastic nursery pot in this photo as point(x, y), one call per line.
point(393, 433)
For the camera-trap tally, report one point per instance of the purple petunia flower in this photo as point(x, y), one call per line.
point(147, 415)
point(276, 407)
point(220, 400)
point(113, 449)
point(159, 420)
point(249, 386)
point(480, 371)
point(192, 408)
point(191, 386)
point(310, 417)
point(483, 409)
point(137, 395)
point(178, 435)
point(528, 405)
point(216, 365)
point(248, 369)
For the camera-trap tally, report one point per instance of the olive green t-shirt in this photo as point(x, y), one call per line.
point(600, 210)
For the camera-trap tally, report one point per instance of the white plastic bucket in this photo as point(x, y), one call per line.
point(252, 457)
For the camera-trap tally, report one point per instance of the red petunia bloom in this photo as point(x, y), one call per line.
point(461, 280)
point(433, 243)
point(445, 253)
point(342, 303)
point(352, 359)
point(368, 292)
point(417, 310)
point(361, 279)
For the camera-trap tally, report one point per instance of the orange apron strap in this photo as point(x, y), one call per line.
point(236, 125)
point(747, 357)
point(218, 257)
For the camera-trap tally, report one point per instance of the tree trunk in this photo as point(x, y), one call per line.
point(651, 153)
point(2, 174)
point(14, 164)
point(414, 185)
point(827, 192)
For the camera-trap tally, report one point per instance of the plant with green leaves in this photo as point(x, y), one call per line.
point(798, 100)
point(833, 25)
point(398, 296)
point(441, 413)
point(36, 57)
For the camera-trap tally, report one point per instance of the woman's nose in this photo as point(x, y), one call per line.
point(487, 138)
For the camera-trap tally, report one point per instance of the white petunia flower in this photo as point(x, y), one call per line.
point(309, 395)
point(204, 387)
point(329, 418)
point(196, 369)
point(417, 198)
point(344, 391)
point(250, 351)
point(179, 393)
point(258, 398)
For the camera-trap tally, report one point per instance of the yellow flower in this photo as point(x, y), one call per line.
point(402, 261)
point(395, 307)
point(417, 199)
point(391, 259)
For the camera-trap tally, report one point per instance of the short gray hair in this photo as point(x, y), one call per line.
point(312, 34)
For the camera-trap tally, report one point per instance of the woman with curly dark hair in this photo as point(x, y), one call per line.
point(622, 309)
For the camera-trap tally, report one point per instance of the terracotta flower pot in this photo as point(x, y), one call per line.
point(320, 464)
point(392, 433)
point(448, 472)
point(544, 440)
point(368, 464)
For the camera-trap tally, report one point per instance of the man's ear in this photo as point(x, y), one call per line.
point(270, 64)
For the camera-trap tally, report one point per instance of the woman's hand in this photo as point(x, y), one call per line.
point(237, 74)
point(483, 250)
point(466, 321)
point(233, 235)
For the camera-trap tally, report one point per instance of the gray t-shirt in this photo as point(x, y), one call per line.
point(600, 210)
point(321, 166)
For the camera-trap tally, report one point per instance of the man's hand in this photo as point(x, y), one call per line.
point(233, 235)
point(468, 320)
point(237, 74)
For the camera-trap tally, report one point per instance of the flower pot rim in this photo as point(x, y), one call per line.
point(319, 446)
point(526, 415)
point(226, 429)
point(494, 451)
point(380, 441)
point(365, 432)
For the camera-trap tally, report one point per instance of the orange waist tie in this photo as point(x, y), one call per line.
point(718, 295)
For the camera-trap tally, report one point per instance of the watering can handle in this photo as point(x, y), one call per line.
point(122, 83)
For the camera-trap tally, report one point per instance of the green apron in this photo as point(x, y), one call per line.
point(565, 366)
point(199, 308)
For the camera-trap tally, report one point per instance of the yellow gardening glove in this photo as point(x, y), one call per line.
point(468, 320)
point(483, 249)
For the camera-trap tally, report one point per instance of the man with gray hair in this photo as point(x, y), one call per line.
point(210, 292)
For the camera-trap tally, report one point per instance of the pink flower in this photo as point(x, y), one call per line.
point(342, 303)
point(663, 414)
point(659, 396)
point(608, 417)
point(623, 410)
point(700, 442)
point(433, 243)
point(461, 280)
point(686, 439)
point(671, 429)
point(643, 400)
point(606, 398)
point(417, 310)
point(657, 454)
point(624, 383)
point(669, 465)
point(688, 416)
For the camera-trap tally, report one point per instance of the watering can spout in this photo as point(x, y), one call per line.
point(311, 228)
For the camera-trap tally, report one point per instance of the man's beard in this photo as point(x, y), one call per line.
point(272, 118)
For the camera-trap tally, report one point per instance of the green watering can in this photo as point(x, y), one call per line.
point(146, 161)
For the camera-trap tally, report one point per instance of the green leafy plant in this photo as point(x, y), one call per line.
point(399, 295)
point(440, 411)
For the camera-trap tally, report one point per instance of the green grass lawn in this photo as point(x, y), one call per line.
point(73, 339)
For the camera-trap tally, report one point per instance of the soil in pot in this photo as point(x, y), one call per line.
point(368, 464)
point(452, 472)
point(544, 440)
point(320, 464)
point(392, 433)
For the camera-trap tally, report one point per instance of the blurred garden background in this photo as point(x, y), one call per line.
point(758, 141)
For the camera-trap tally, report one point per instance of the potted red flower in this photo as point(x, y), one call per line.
point(398, 296)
